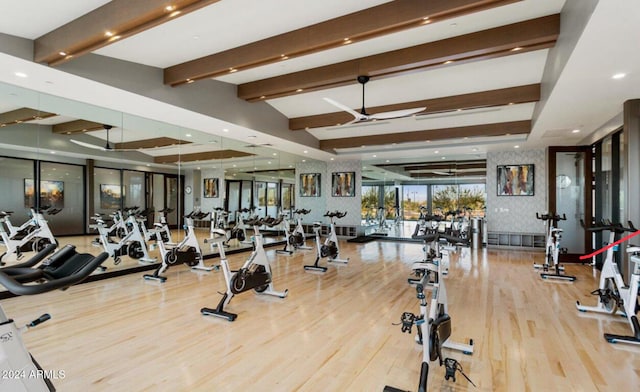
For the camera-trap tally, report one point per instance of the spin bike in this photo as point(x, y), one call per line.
point(60, 271)
point(330, 248)
point(186, 252)
point(239, 231)
point(132, 244)
point(255, 274)
point(553, 249)
point(34, 235)
point(613, 294)
point(298, 236)
point(433, 325)
point(160, 231)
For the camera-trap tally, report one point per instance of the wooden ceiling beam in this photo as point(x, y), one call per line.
point(201, 156)
point(492, 98)
point(76, 127)
point(474, 173)
point(150, 143)
point(116, 20)
point(501, 41)
point(23, 115)
point(373, 22)
point(445, 166)
point(484, 130)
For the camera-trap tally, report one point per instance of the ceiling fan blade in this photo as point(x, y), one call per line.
point(89, 145)
point(396, 113)
point(347, 109)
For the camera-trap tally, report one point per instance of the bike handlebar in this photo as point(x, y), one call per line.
point(547, 217)
point(336, 214)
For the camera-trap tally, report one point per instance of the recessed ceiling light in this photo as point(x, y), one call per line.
point(575, 131)
point(436, 152)
point(62, 53)
point(188, 135)
point(304, 160)
point(474, 149)
point(517, 48)
point(231, 70)
point(196, 37)
point(274, 154)
point(299, 90)
point(444, 157)
point(108, 33)
point(170, 8)
point(198, 168)
point(189, 81)
point(516, 146)
point(174, 13)
point(234, 165)
point(619, 75)
point(305, 151)
point(263, 96)
point(448, 62)
point(148, 164)
point(225, 130)
point(387, 161)
point(269, 162)
point(53, 152)
point(20, 74)
point(332, 158)
point(375, 156)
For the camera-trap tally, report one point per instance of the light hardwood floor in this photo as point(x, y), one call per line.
point(333, 332)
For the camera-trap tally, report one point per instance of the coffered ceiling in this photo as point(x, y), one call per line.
point(478, 66)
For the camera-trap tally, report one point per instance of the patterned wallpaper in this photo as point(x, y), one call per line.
point(350, 204)
point(207, 204)
point(516, 214)
point(317, 205)
point(320, 205)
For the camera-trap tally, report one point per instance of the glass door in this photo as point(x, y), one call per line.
point(570, 195)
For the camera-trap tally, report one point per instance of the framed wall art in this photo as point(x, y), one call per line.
point(516, 180)
point(310, 184)
point(343, 184)
point(210, 187)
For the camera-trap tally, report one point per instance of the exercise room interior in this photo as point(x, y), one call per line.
point(373, 195)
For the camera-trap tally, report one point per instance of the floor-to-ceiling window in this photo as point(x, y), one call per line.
point(414, 197)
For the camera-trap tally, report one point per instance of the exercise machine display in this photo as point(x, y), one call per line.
point(255, 274)
point(433, 324)
point(63, 269)
point(186, 252)
point(132, 244)
point(551, 268)
point(330, 249)
point(614, 296)
point(31, 236)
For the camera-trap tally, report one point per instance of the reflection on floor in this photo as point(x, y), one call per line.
point(129, 265)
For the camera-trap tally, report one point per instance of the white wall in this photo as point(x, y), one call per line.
point(516, 214)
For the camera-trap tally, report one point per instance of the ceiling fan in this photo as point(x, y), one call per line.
point(109, 146)
point(363, 116)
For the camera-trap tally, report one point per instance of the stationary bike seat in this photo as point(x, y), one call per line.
point(60, 271)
